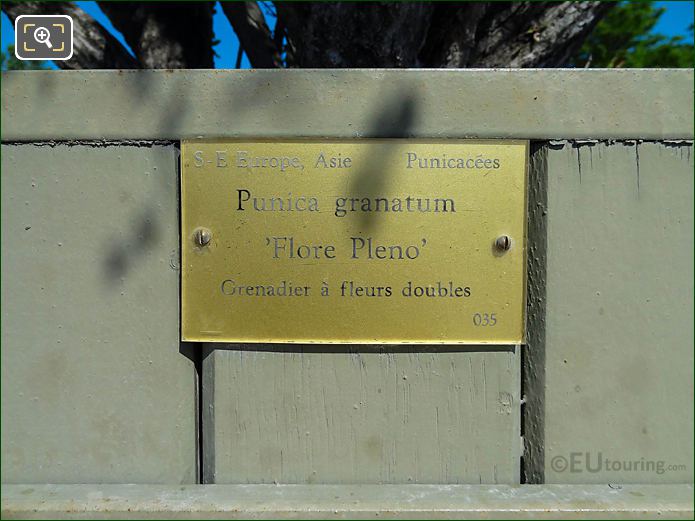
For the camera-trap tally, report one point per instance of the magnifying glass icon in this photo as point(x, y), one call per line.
point(43, 35)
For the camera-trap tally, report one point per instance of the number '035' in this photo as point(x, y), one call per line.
point(484, 319)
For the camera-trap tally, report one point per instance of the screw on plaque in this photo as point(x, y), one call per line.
point(503, 243)
point(202, 237)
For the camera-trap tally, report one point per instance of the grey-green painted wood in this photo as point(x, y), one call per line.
point(503, 103)
point(94, 388)
point(533, 359)
point(615, 326)
point(347, 502)
point(619, 311)
point(324, 415)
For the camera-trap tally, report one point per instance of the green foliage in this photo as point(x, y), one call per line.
point(11, 63)
point(624, 39)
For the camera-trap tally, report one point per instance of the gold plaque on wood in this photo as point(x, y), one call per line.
point(369, 241)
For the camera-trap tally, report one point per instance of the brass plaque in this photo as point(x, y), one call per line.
point(368, 241)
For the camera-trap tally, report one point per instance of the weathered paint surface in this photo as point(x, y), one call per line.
point(94, 388)
point(347, 502)
point(533, 352)
point(326, 415)
point(615, 372)
point(619, 312)
point(502, 103)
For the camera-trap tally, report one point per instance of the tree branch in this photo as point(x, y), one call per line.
point(171, 36)
point(93, 46)
point(534, 34)
point(254, 34)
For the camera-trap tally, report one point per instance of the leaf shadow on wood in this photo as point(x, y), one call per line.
point(374, 178)
point(142, 237)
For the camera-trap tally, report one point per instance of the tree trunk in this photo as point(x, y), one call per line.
point(338, 34)
point(468, 34)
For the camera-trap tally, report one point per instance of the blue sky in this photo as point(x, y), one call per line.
point(675, 21)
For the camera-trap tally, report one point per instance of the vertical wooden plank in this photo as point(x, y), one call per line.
point(533, 354)
point(619, 335)
point(94, 388)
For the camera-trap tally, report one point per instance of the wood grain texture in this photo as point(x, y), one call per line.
point(485, 104)
point(533, 356)
point(94, 389)
point(321, 415)
point(619, 312)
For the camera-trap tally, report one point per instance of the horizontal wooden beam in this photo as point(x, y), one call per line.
point(351, 501)
point(473, 103)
